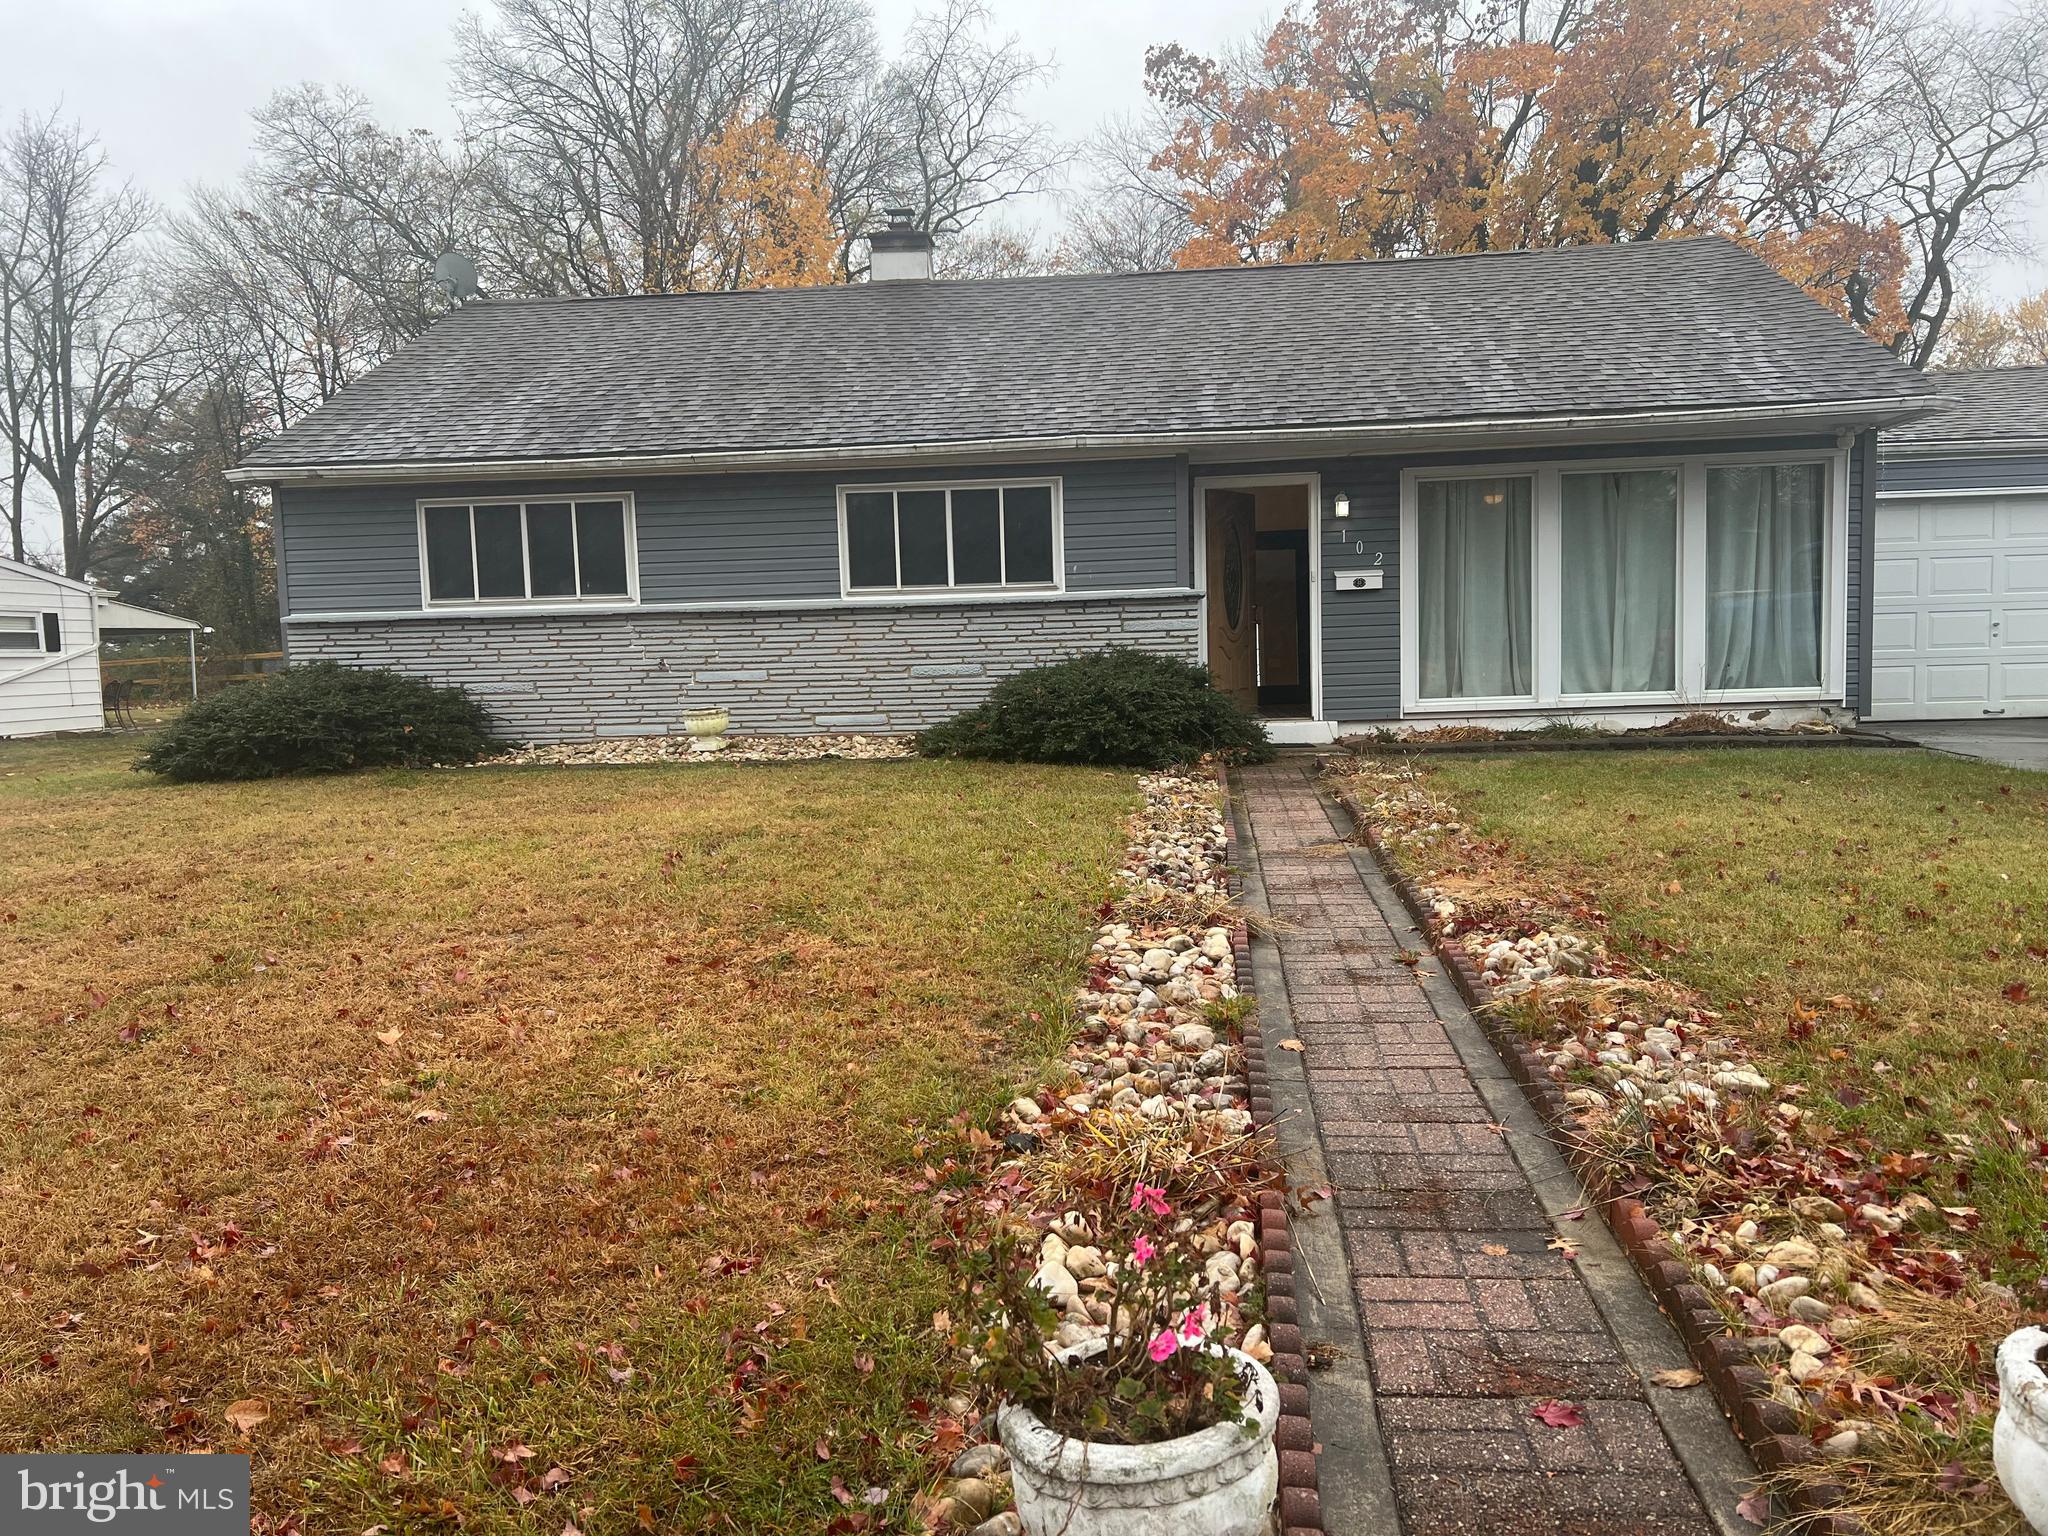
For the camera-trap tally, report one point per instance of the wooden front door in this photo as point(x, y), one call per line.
point(1233, 648)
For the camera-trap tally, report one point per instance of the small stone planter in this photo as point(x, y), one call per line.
point(706, 728)
point(1220, 1481)
point(2019, 1444)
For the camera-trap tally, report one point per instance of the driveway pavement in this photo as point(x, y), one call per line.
point(2015, 743)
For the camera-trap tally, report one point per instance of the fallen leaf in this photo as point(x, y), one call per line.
point(1494, 1250)
point(1683, 1377)
point(390, 1036)
point(1558, 1415)
point(393, 1465)
point(1292, 1045)
point(1672, 888)
point(552, 1479)
point(1755, 1507)
point(247, 1413)
point(1561, 1245)
point(2017, 991)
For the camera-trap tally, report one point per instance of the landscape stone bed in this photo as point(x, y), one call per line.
point(617, 750)
point(1634, 1072)
point(1150, 1067)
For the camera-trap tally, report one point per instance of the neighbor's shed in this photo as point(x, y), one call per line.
point(49, 653)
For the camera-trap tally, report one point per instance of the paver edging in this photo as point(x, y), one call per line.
point(1768, 1430)
point(1300, 1505)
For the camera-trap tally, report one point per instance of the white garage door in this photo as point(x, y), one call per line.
point(1960, 608)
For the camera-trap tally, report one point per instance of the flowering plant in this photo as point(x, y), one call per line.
point(1108, 1331)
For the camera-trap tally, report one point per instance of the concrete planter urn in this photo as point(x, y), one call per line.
point(706, 728)
point(2019, 1444)
point(1220, 1481)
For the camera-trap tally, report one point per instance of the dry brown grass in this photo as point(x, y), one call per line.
point(446, 1113)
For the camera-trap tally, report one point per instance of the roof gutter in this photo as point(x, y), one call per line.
point(1880, 411)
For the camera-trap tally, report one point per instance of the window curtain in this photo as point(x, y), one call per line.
point(1619, 588)
point(1472, 612)
point(1766, 554)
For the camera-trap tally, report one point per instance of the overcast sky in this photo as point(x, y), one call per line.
point(169, 84)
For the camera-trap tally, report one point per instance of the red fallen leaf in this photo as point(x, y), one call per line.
point(685, 1468)
point(1755, 1507)
point(2017, 991)
point(347, 1447)
point(1558, 1415)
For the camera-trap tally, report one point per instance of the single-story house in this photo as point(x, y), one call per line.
point(1601, 482)
point(50, 633)
point(1959, 628)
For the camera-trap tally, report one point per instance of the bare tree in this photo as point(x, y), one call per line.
point(964, 144)
point(596, 114)
point(1126, 216)
point(1958, 126)
point(377, 207)
point(87, 345)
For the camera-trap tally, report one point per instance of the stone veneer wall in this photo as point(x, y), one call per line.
point(569, 677)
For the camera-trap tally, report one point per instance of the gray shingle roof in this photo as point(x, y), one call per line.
point(1979, 406)
point(1582, 331)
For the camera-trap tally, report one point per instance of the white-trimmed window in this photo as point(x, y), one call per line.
point(20, 632)
point(568, 549)
point(982, 535)
point(1583, 584)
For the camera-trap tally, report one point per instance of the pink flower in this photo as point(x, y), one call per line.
point(1163, 1346)
point(1150, 1197)
point(1141, 1252)
point(1193, 1323)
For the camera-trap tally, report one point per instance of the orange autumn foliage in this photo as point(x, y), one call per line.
point(1374, 128)
point(765, 216)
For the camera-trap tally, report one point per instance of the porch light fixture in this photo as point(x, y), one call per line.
point(1341, 507)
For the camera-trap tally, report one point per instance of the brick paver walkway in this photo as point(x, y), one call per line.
point(1470, 1316)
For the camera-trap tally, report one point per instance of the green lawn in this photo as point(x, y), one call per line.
point(510, 1147)
point(1895, 902)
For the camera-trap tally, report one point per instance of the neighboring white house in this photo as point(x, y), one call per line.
point(50, 633)
point(49, 653)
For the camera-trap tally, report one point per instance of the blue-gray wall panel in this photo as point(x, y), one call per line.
point(726, 538)
point(1983, 473)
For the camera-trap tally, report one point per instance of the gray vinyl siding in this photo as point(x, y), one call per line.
point(1985, 472)
point(726, 538)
